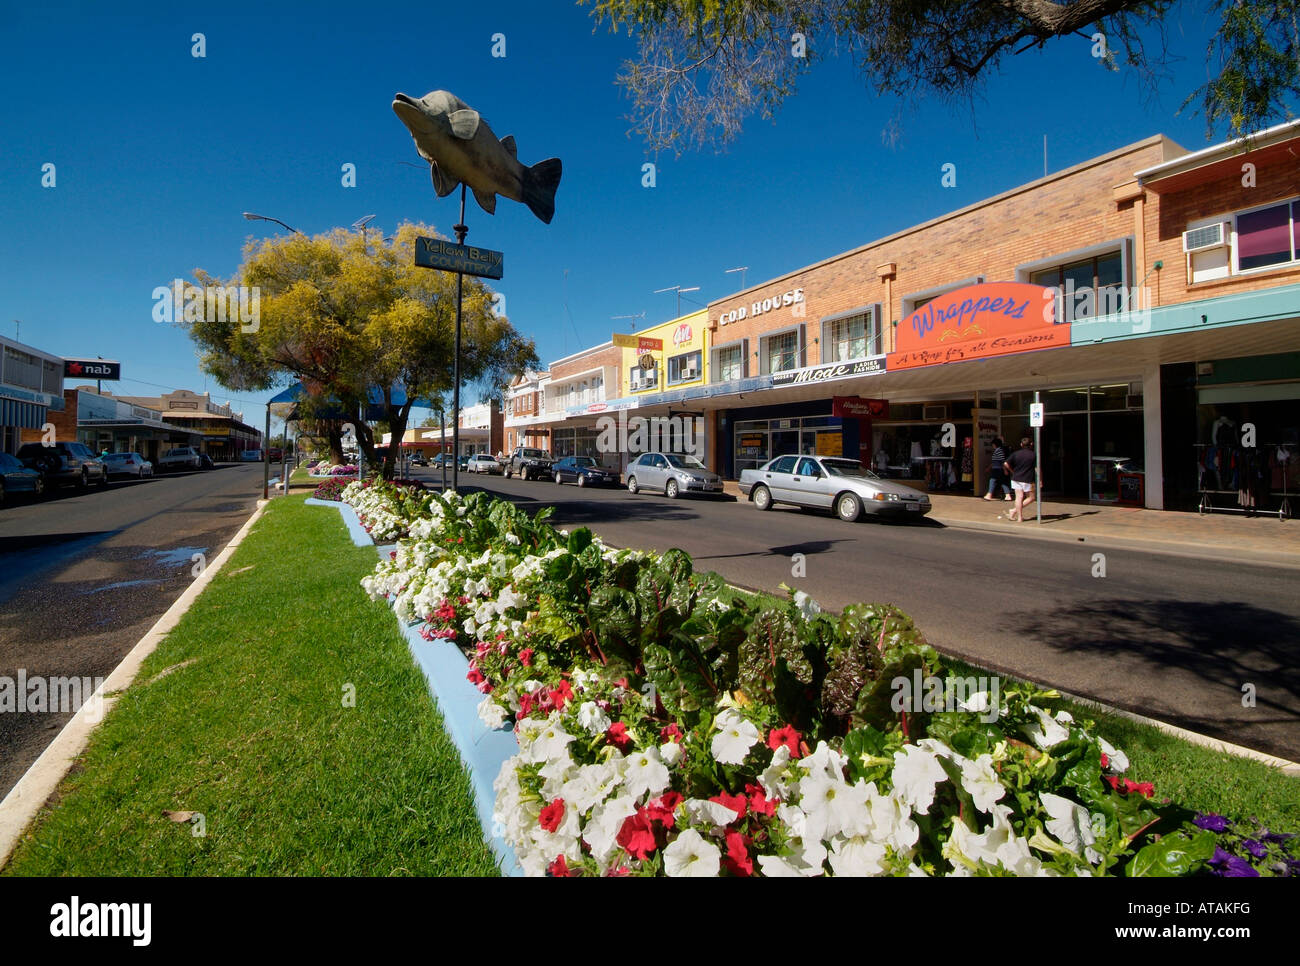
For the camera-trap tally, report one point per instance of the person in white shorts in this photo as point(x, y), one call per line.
point(1021, 465)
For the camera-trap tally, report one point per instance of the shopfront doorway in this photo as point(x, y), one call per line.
point(1065, 455)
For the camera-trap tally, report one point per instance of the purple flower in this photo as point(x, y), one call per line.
point(1276, 836)
point(1257, 849)
point(1238, 868)
point(1220, 857)
point(1211, 823)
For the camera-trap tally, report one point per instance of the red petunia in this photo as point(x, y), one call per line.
point(661, 809)
point(559, 869)
point(1105, 760)
point(637, 836)
point(618, 737)
point(475, 676)
point(737, 803)
point(671, 733)
point(552, 815)
point(759, 803)
point(737, 859)
point(784, 736)
point(561, 694)
point(526, 657)
point(525, 704)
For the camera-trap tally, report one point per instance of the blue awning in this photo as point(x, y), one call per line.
point(23, 415)
point(374, 411)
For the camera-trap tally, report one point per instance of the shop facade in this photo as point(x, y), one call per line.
point(31, 389)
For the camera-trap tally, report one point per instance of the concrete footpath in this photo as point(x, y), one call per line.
point(1225, 536)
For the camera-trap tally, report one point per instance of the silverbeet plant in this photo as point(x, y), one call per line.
point(669, 727)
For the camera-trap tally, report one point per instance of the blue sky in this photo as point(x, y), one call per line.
point(158, 152)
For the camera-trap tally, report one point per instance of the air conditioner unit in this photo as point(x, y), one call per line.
point(688, 372)
point(1206, 237)
point(935, 412)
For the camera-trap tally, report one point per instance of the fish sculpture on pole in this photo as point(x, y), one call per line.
point(461, 148)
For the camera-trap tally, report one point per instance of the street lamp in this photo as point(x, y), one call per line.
point(253, 217)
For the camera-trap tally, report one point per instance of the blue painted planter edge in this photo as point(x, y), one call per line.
point(350, 519)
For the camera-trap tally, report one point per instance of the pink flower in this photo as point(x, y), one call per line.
point(661, 809)
point(671, 733)
point(526, 657)
point(784, 736)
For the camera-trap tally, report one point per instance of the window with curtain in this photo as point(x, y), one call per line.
point(1267, 236)
point(782, 352)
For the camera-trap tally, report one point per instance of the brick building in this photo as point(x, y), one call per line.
point(1149, 297)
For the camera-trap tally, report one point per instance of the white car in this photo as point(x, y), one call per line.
point(128, 464)
point(671, 474)
point(483, 463)
point(833, 483)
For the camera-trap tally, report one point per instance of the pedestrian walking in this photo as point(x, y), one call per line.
point(1021, 465)
point(997, 471)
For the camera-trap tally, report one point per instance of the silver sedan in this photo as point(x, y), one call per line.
point(833, 483)
point(671, 474)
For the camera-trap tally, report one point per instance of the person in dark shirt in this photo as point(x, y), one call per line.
point(997, 474)
point(1022, 465)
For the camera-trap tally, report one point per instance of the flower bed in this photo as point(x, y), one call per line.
point(667, 726)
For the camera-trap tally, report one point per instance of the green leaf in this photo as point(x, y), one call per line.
point(1177, 854)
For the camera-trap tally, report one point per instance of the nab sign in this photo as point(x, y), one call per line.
point(92, 369)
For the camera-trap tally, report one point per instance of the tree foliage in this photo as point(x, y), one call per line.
point(355, 319)
point(704, 66)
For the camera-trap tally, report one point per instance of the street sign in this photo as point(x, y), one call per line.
point(647, 361)
point(92, 369)
point(639, 343)
point(450, 257)
point(1036, 414)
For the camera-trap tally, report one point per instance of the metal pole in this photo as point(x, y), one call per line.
point(461, 230)
point(266, 455)
point(442, 444)
point(1038, 465)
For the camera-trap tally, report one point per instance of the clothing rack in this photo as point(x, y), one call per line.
point(1248, 469)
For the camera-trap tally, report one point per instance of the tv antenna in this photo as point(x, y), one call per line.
point(639, 315)
point(742, 270)
point(679, 290)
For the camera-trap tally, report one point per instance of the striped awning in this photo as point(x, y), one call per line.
point(24, 415)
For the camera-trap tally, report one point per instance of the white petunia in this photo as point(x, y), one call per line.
point(601, 830)
point(591, 717)
point(704, 812)
point(1048, 732)
point(857, 857)
point(981, 782)
point(833, 807)
point(491, 713)
point(891, 821)
point(807, 606)
point(736, 735)
point(671, 753)
point(646, 773)
point(1070, 824)
point(916, 772)
point(776, 778)
point(690, 854)
point(1116, 759)
point(512, 539)
point(824, 760)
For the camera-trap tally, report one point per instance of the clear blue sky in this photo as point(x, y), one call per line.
point(158, 153)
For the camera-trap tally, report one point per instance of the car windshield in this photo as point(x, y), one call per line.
point(848, 468)
point(583, 461)
point(683, 462)
point(533, 453)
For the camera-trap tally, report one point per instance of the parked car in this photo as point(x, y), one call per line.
point(251, 456)
point(204, 459)
point(483, 463)
point(69, 462)
point(529, 464)
point(17, 478)
point(419, 459)
point(180, 458)
point(831, 483)
point(441, 458)
point(671, 473)
point(128, 464)
point(276, 454)
point(585, 471)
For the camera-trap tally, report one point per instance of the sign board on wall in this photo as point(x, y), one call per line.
point(92, 368)
point(855, 407)
point(639, 343)
point(978, 322)
point(830, 444)
point(836, 370)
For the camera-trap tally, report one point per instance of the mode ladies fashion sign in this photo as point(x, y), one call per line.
point(978, 321)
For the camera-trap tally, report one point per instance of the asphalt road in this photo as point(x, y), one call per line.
point(1173, 637)
point(83, 576)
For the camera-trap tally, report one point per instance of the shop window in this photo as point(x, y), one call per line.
point(684, 368)
point(641, 379)
point(730, 363)
point(1086, 288)
point(1266, 237)
point(781, 352)
point(852, 337)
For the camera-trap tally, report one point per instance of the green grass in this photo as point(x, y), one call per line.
point(254, 735)
point(1193, 776)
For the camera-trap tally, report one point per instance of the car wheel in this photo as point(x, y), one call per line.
point(558, 481)
point(2, 492)
point(103, 479)
point(85, 479)
point(631, 485)
point(582, 480)
point(670, 489)
point(38, 487)
point(848, 507)
point(762, 498)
